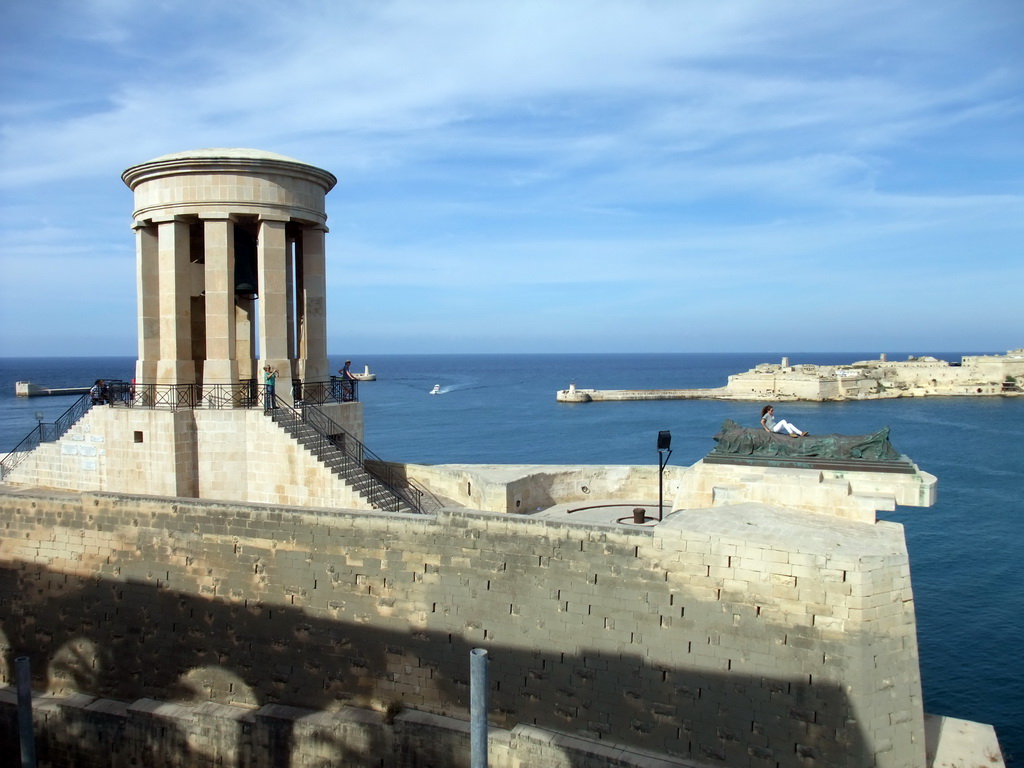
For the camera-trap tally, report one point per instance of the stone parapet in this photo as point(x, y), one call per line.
point(98, 733)
point(527, 488)
point(730, 635)
point(845, 494)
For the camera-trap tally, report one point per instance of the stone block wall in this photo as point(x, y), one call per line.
point(84, 732)
point(780, 384)
point(841, 493)
point(737, 636)
point(248, 193)
point(523, 489)
point(209, 454)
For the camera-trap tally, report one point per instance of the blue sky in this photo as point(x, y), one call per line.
point(572, 176)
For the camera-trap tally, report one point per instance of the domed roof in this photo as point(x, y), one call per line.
point(219, 153)
point(221, 158)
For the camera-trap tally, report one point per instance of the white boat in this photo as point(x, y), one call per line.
point(436, 390)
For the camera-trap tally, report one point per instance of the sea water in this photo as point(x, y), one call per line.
point(501, 409)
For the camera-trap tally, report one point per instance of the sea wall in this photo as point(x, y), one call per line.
point(209, 454)
point(740, 636)
point(573, 395)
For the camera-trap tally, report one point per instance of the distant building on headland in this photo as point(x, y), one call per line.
point(882, 378)
point(974, 375)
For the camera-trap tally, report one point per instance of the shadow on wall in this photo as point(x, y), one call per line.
point(128, 640)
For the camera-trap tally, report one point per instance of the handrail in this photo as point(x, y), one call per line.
point(390, 490)
point(45, 433)
point(247, 393)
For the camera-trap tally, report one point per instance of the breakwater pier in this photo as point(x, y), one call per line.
point(28, 389)
point(574, 395)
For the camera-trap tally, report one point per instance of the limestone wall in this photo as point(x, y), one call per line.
point(775, 382)
point(523, 489)
point(739, 636)
point(997, 367)
point(840, 493)
point(87, 732)
point(209, 454)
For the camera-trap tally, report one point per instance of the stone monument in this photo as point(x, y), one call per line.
point(231, 267)
point(231, 277)
point(873, 452)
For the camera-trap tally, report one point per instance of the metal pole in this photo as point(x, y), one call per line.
point(662, 462)
point(661, 470)
point(25, 734)
point(478, 707)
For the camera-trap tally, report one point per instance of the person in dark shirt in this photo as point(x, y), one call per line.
point(98, 392)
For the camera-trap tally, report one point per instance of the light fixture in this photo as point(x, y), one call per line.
point(664, 452)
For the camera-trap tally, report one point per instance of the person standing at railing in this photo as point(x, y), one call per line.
point(98, 392)
point(270, 379)
point(347, 387)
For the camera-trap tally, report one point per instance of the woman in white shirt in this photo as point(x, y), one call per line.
point(771, 425)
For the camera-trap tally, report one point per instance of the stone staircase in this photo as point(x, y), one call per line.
point(347, 458)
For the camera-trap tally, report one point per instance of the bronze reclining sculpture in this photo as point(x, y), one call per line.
point(734, 440)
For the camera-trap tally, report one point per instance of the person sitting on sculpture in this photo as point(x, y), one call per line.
point(771, 425)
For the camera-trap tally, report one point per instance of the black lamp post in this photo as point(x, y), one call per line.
point(664, 452)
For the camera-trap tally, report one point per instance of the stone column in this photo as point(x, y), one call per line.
point(314, 305)
point(273, 303)
point(220, 366)
point(175, 365)
point(147, 270)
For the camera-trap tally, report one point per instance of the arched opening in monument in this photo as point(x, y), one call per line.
point(296, 290)
point(246, 292)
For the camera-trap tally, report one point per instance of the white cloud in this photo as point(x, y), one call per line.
point(542, 145)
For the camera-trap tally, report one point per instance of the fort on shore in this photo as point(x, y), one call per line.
point(973, 376)
point(210, 568)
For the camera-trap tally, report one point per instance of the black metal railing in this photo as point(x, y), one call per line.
point(45, 433)
point(389, 489)
point(344, 390)
point(247, 393)
point(337, 390)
